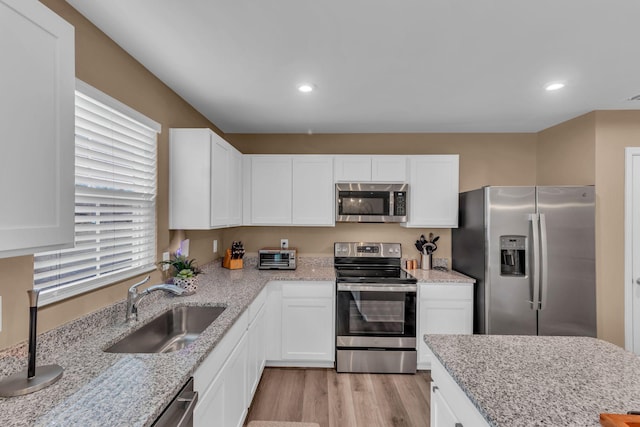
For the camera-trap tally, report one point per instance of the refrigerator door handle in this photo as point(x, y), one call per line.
point(535, 237)
point(544, 276)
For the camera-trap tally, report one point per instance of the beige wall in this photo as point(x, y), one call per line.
point(566, 153)
point(102, 64)
point(615, 130)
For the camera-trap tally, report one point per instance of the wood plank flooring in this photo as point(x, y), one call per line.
point(342, 400)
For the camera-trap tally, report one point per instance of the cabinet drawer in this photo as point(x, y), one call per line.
point(308, 290)
point(456, 291)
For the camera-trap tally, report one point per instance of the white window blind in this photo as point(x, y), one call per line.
point(115, 193)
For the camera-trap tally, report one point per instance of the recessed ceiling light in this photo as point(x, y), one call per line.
point(554, 86)
point(306, 87)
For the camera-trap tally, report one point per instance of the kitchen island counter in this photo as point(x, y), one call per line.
point(545, 380)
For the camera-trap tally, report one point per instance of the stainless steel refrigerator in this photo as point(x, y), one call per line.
point(531, 250)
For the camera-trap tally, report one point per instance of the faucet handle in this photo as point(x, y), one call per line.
point(133, 288)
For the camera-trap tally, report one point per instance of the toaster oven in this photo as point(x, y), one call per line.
point(277, 259)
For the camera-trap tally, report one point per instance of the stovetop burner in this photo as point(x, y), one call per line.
point(359, 262)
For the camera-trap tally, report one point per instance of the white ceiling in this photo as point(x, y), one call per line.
point(383, 65)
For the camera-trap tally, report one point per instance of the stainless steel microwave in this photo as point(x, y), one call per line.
point(371, 202)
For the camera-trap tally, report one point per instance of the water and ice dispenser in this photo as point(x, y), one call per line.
point(513, 255)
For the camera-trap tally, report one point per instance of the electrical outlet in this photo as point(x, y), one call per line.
point(165, 257)
point(215, 246)
point(284, 243)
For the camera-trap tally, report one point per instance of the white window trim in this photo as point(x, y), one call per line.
point(53, 295)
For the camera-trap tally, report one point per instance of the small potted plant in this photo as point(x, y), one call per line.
point(185, 273)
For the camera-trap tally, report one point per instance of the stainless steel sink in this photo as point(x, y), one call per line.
point(171, 331)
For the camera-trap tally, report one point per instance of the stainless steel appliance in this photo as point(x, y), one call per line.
point(371, 202)
point(179, 413)
point(531, 250)
point(375, 309)
point(277, 259)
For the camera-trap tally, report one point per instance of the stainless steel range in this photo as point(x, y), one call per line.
point(376, 309)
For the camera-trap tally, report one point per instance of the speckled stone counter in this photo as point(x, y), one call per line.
point(438, 276)
point(536, 381)
point(104, 389)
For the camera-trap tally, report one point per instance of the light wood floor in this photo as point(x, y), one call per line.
point(342, 400)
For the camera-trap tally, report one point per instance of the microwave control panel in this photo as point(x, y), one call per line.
point(400, 203)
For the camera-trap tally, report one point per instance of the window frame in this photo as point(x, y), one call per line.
point(56, 293)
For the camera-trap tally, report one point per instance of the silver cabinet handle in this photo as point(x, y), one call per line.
point(458, 425)
point(638, 280)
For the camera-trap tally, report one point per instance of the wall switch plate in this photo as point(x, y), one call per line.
point(284, 243)
point(215, 246)
point(165, 257)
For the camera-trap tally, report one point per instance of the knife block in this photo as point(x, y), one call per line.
point(231, 264)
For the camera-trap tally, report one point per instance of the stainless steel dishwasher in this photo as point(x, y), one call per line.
point(179, 413)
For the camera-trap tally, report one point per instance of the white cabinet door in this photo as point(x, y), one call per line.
point(313, 190)
point(443, 309)
point(306, 329)
point(205, 180)
point(257, 352)
point(273, 320)
point(37, 122)
point(441, 413)
point(433, 191)
point(389, 168)
point(236, 394)
point(235, 188)
point(220, 169)
point(189, 179)
point(211, 407)
point(307, 321)
point(352, 168)
point(271, 190)
point(225, 401)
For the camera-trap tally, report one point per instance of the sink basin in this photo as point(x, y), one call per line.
point(171, 331)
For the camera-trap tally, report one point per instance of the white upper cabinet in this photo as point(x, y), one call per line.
point(389, 168)
point(313, 190)
point(288, 190)
point(433, 191)
point(352, 168)
point(270, 191)
point(204, 180)
point(37, 123)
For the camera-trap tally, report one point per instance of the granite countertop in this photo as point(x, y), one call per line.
point(533, 381)
point(439, 276)
point(105, 389)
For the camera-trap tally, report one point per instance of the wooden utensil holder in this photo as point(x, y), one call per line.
point(231, 264)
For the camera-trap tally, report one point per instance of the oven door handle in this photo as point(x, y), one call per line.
point(365, 287)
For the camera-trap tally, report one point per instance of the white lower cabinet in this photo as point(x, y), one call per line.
point(444, 308)
point(301, 324)
point(289, 323)
point(441, 413)
point(450, 406)
point(221, 380)
point(257, 351)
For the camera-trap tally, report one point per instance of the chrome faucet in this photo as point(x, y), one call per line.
point(133, 297)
